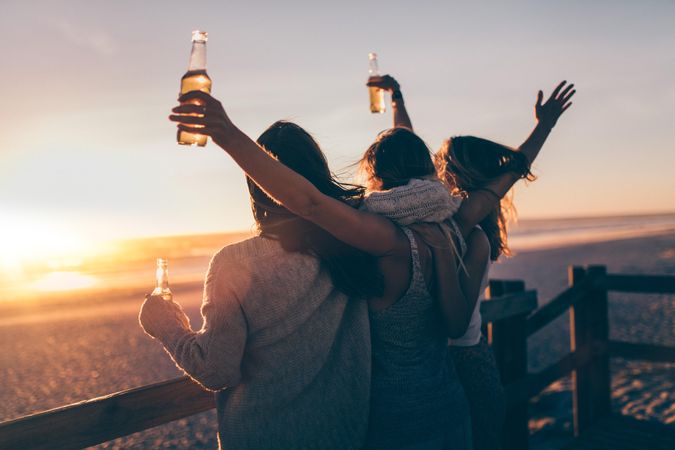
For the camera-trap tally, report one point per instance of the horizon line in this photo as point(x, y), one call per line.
point(526, 219)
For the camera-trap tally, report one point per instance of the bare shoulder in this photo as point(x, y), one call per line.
point(478, 244)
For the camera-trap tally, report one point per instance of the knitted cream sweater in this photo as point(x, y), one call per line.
point(288, 355)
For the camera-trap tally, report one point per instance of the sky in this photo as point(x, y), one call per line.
point(87, 151)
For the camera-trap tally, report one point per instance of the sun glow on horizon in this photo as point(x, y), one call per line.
point(33, 241)
point(64, 281)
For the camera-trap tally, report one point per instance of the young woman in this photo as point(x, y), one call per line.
point(469, 165)
point(285, 340)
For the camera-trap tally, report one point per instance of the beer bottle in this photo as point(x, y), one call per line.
point(195, 79)
point(376, 94)
point(162, 276)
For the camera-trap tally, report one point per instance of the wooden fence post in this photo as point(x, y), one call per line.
point(589, 327)
point(509, 342)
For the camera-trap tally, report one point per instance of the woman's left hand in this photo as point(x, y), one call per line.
point(549, 112)
point(386, 82)
point(200, 113)
point(158, 314)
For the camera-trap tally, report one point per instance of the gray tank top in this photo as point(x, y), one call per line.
point(416, 396)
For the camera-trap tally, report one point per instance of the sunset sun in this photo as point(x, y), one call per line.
point(31, 241)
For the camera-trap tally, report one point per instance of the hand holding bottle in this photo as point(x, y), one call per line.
point(389, 84)
point(209, 116)
point(385, 82)
point(158, 314)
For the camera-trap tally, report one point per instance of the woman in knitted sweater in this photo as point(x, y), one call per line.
point(285, 341)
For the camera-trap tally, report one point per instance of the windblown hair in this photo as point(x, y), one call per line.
point(353, 272)
point(468, 163)
point(396, 156)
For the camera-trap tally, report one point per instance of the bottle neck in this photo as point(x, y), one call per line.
point(198, 56)
point(163, 277)
point(373, 69)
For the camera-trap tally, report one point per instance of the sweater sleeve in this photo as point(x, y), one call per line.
point(212, 356)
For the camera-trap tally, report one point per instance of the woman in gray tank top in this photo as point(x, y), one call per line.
point(416, 399)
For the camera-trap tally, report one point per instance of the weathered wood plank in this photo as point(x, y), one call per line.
point(526, 388)
point(104, 418)
point(646, 284)
point(509, 342)
point(589, 326)
point(646, 352)
point(600, 395)
point(506, 306)
point(558, 306)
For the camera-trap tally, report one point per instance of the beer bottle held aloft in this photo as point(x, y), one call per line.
point(162, 275)
point(195, 79)
point(376, 94)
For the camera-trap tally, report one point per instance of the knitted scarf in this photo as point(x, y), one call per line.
point(421, 200)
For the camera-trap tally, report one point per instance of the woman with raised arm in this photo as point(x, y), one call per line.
point(285, 340)
point(470, 165)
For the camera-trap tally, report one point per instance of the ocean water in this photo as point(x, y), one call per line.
point(115, 266)
point(552, 233)
point(131, 263)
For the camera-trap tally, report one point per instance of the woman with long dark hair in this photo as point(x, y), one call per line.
point(467, 164)
point(285, 341)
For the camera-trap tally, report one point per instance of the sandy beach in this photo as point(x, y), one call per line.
point(60, 353)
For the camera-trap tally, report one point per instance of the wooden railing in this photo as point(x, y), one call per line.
point(590, 347)
point(510, 318)
point(105, 418)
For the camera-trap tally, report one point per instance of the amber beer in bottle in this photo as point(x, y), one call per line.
point(195, 79)
point(376, 94)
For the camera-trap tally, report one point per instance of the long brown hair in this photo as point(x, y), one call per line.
point(469, 163)
point(353, 272)
point(396, 156)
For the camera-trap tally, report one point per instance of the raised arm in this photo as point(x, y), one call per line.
point(366, 231)
point(479, 203)
point(547, 115)
point(389, 84)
